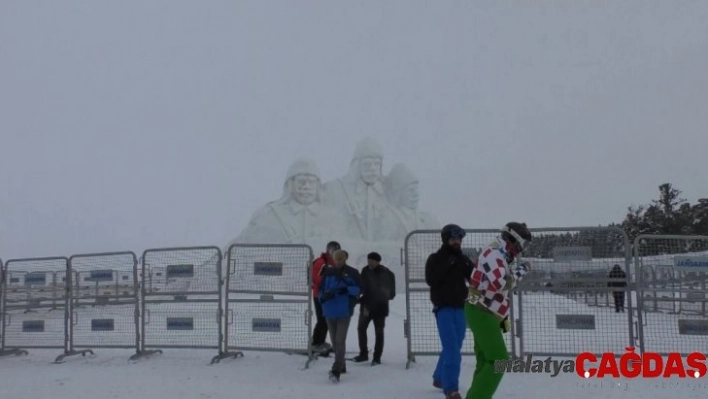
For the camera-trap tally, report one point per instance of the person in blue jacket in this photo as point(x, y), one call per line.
point(338, 293)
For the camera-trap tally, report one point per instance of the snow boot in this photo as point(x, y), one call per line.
point(361, 358)
point(323, 350)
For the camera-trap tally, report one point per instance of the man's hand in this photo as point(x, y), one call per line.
point(505, 325)
point(323, 269)
point(473, 295)
point(327, 295)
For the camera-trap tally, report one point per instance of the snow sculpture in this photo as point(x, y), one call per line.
point(359, 195)
point(401, 187)
point(298, 217)
point(363, 210)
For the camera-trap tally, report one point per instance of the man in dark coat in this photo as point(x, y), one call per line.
point(618, 286)
point(378, 288)
point(447, 273)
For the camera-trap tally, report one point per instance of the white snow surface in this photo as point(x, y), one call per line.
point(187, 374)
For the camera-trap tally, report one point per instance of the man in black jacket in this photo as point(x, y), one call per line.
point(618, 286)
point(447, 273)
point(378, 287)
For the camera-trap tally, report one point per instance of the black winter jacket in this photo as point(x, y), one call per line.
point(378, 286)
point(617, 273)
point(447, 273)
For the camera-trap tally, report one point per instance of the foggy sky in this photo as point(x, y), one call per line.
point(126, 125)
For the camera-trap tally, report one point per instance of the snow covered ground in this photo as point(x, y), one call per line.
point(177, 374)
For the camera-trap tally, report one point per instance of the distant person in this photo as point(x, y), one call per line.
point(619, 286)
point(319, 334)
point(447, 272)
point(487, 308)
point(378, 287)
point(338, 293)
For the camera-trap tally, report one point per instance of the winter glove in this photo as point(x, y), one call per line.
point(343, 290)
point(327, 295)
point(505, 325)
point(473, 295)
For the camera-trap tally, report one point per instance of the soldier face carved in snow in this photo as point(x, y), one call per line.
point(409, 196)
point(304, 188)
point(401, 187)
point(298, 216)
point(370, 169)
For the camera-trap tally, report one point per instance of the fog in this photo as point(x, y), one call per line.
point(129, 125)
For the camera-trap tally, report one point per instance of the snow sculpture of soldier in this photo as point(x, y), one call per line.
point(360, 197)
point(401, 187)
point(299, 217)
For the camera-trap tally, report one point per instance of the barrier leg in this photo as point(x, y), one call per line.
point(11, 352)
point(145, 353)
point(226, 355)
point(83, 352)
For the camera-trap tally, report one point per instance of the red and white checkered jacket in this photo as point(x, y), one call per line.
point(491, 280)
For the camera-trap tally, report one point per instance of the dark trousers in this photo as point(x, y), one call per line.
point(319, 334)
point(379, 325)
point(619, 300)
point(338, 329)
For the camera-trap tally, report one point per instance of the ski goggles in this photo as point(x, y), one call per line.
point(522, 243)
point(456, 232)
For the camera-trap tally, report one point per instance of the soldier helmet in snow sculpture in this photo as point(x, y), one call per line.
point(368, 160)
point(302, 182)
point(401, 187)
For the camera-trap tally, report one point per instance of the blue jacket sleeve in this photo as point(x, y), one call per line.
point(354, 290)
point(355, 284)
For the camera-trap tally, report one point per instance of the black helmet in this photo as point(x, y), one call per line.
point(514, 232)
point(451, 231)
point(333, 245)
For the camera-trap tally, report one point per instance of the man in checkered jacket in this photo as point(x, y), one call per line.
point(487, 307)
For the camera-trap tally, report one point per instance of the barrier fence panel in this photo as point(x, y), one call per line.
point(268, 299)
point(2, 312)
point(5, 352)
point(565, 305)
point(2, 291)
point(104, 301)
point(35, 304)
point(671, 293)
point(181, 300)
point(419, 327)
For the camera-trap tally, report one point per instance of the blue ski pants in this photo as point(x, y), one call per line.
point(451, 329)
